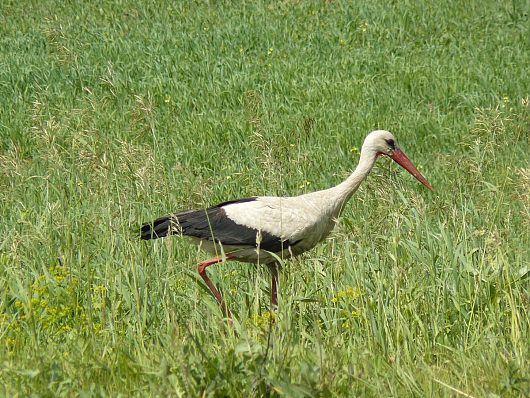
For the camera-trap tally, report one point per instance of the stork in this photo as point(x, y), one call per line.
point(264, 229)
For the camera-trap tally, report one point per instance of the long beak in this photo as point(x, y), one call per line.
point(400, 158)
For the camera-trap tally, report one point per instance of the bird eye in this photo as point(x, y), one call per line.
point(391, 143)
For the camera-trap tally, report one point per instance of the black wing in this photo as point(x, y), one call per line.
point(214, 225)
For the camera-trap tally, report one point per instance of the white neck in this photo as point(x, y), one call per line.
point(343, 192)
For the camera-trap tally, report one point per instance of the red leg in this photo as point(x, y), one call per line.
point(201, 267)
point(274, 285)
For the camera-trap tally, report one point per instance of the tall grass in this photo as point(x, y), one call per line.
point(114, 113)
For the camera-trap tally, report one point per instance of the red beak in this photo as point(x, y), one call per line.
point(400, 158)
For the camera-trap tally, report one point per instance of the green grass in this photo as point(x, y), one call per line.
point(113, 113)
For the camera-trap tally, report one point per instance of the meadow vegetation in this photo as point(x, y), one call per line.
point(116, 112)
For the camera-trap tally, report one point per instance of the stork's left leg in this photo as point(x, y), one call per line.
point(201, 268)
point(274, 285)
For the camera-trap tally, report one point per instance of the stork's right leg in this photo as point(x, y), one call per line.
point(274, 285)
point(201, 267)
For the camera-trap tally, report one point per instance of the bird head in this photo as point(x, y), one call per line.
point(382, 142)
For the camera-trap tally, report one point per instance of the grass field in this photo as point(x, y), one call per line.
point(113, 113)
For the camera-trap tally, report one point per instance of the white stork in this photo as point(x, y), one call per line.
point(262, 229)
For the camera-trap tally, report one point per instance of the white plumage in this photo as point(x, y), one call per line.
point(302, 220)
point(263, 229)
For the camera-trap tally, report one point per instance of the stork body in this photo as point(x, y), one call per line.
point(264, 228)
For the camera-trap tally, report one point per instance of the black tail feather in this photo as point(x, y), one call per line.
point(157, 229)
